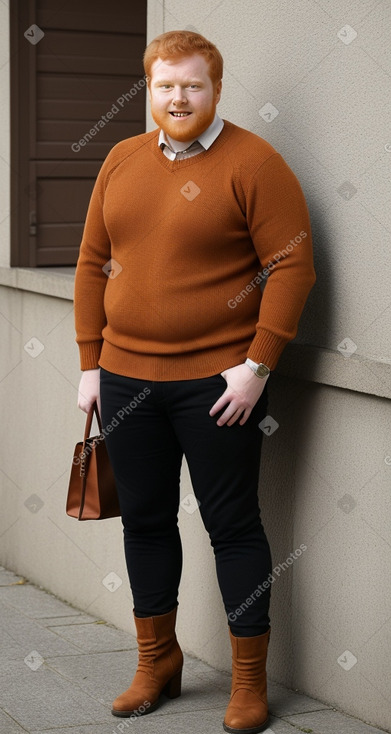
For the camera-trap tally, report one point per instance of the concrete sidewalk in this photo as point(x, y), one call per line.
point(60, 670)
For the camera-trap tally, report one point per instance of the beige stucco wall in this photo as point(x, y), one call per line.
point(326, 471)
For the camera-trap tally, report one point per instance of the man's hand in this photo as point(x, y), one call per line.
point(243, 390)
point(89, 390)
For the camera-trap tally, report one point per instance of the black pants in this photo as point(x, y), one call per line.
point(153, 425)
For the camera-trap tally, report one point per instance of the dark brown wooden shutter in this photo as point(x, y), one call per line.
point(76, 91)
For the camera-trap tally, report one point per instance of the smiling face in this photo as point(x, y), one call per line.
point(183, 97)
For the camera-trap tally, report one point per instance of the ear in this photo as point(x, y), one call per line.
point(218, 91)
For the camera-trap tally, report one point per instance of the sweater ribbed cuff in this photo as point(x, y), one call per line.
point(267, 348)
point(89, 355)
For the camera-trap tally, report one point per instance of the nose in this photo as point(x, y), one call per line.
point(179, 96)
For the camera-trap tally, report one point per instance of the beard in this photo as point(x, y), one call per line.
point(189, 128)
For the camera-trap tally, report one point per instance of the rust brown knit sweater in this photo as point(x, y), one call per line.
point(189, 243)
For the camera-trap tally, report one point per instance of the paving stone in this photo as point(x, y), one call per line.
point(105, 675)
point(96, 637)
point(211, 677)
point(8, 577)
point(102, 675)
point(209, 722)
point(27, 636)
point(9, 648)
point(89, 729)
point(279, 726)
point(283, 701)
point(190, 722)
point(203, 722)
point(84, 665)
point(34, 602)
point(9, 726)
point(197, 695)
point(41, 699)
point(329, 722)
point(74, 619)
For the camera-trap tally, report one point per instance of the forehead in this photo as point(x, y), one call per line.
point(189, 66)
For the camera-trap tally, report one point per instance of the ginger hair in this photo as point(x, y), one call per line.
point(176, 44)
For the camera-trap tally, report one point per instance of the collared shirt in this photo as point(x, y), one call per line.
point(176, 150)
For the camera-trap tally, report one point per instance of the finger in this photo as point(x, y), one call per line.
point(219, 404)
point(228, 414)
point(84, 403)
point(245, 417)
point(236, 416)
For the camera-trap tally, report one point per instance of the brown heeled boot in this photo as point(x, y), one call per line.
point(159, 667)
point(247, 711)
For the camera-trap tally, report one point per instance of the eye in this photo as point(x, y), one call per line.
point(193, 86)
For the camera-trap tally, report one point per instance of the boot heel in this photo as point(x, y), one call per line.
point(172, 689)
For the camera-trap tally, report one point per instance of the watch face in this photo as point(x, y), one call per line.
point(262, 370)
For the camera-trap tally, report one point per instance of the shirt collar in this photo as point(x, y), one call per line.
point(206, 138)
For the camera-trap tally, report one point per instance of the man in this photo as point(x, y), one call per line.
point(178, 345)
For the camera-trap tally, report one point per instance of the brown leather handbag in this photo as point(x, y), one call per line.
point(92, 494)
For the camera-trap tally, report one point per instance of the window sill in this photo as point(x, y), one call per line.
point(57, 281)
point(358, 372)
point(298, 361)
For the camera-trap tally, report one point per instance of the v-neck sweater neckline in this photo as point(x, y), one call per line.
point(173, 166)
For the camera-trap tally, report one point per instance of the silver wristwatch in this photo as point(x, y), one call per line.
point(260, 370)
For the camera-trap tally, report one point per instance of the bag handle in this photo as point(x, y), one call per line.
point(85, 455)
point(90, 415)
